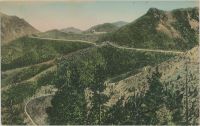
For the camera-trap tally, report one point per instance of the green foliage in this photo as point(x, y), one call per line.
point(77, 75)
point(116, 115)
point(143, 33)
point(18, 93)
point(89, 70)
point(106, 27)
point(12, 113)
point(164, 116)
point(69, 106)
point(56, 34)
point(28, 51)
point(13, 102)
point(154, 99)
point(24, 74)
point(98, 98)
point(190, 36)
point(142, 109)
point(47, 79)
point(120, 61)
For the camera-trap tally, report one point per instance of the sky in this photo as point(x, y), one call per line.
point(47, 15)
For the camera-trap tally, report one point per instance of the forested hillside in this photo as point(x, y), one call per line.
point(87, 72)
point(139, 73)
point(158, 29)
point(56, 34)
point(28, 51)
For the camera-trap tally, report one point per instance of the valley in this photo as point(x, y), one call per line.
point(110, 74)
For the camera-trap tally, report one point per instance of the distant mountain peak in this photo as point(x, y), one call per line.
point(176, 29)
point(107, 27)
point(13, 27)
point(120, 23)
point(71, 30)
point(157, 13)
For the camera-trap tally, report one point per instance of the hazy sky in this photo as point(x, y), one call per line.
point(55, 15)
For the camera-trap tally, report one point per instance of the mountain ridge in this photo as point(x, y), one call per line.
point(176, 29)
point(13, 27)
point(71, 30)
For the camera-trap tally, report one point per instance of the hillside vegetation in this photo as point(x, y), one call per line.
point(104, 28)
point(87, 71)
point(28, 51)
point(120, 23)
point(29, 64)
point(109, 83)
point(165, 94)
point(157, 29)
point(71, 30)
point(56, 34)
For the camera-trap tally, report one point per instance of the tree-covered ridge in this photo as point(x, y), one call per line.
point(29, 64)
point(58, 34)
point(157, 29)
point(178, 77)
point(28, 51)
point(149, 108)
point(106, 83)
point(87, 72)
point(23, 75)
point(106, 27)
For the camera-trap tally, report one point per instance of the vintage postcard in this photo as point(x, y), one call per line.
point(98, 62)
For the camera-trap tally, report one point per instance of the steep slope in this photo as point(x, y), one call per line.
point(28, 65)
point(176, 74)
point(71, 30)
point(13, 27)
point(86, 72)
point(177, 30)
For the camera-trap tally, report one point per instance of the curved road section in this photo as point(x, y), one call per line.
point(114, 45)
point(104, 43)
point(25, 108)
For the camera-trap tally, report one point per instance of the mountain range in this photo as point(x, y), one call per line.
point(106, 27)
point(142, 72)
point(71, 30)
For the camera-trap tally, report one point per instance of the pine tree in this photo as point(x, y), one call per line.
point(69, 105)
point(98, 98)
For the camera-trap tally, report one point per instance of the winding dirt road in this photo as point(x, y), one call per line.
point(25, 107)
point(65, 40)
point(114, 45)
point(146, 50)
point(104, 43)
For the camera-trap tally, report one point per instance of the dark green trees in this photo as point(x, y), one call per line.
point(69, 105)
point(98, 98)
point(154, 99)
point(140, 109)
